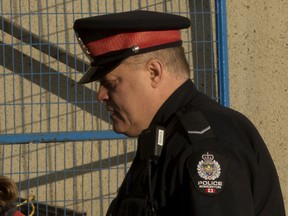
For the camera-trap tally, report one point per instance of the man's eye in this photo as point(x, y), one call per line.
point(110, 85)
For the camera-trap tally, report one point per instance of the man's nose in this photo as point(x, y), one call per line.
point(102, 94)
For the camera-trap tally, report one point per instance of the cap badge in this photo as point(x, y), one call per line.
point(84, 48)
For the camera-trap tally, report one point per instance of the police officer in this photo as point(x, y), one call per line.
point(194, 156)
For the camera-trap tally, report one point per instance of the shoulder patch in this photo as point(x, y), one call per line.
point(208, 171)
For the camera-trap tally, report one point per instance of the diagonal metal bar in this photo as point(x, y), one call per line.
point(41, 44)
point(76, 96)
point(76, 171)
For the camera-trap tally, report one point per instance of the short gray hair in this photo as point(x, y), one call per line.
point(174, 60)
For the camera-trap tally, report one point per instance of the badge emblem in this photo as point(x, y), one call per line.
point(84, 48)
point(208, 168)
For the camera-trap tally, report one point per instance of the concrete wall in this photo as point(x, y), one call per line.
point(258, 62)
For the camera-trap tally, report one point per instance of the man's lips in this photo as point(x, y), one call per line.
point(114, 114)
point(112, 111)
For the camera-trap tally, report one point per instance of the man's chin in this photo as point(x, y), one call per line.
point(118, 129)
point(122, 130)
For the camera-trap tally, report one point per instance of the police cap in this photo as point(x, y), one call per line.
point(109, 39)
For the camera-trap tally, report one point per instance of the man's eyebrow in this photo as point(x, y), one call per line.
point(107, 82)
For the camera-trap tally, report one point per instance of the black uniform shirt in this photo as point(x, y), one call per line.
point(214, 163)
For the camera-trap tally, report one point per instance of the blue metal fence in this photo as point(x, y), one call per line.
point(56, 140)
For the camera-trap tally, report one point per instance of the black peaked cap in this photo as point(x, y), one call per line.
point(98, 28)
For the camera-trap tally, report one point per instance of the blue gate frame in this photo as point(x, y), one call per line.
point(223, 89)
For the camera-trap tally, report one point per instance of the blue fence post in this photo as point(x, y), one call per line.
point(222, 51)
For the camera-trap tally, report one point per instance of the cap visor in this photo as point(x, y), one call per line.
point(89, 75)
point(94, 73)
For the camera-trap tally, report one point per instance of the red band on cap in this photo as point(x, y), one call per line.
point(127, 40)
point(17, 213)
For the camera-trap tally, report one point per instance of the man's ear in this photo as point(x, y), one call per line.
point(155, 69)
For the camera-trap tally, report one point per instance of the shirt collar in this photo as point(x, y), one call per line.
point(180, 97)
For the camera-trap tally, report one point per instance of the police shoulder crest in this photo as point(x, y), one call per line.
point(208, 171)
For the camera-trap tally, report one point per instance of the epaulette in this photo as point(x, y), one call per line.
point(196, 126)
